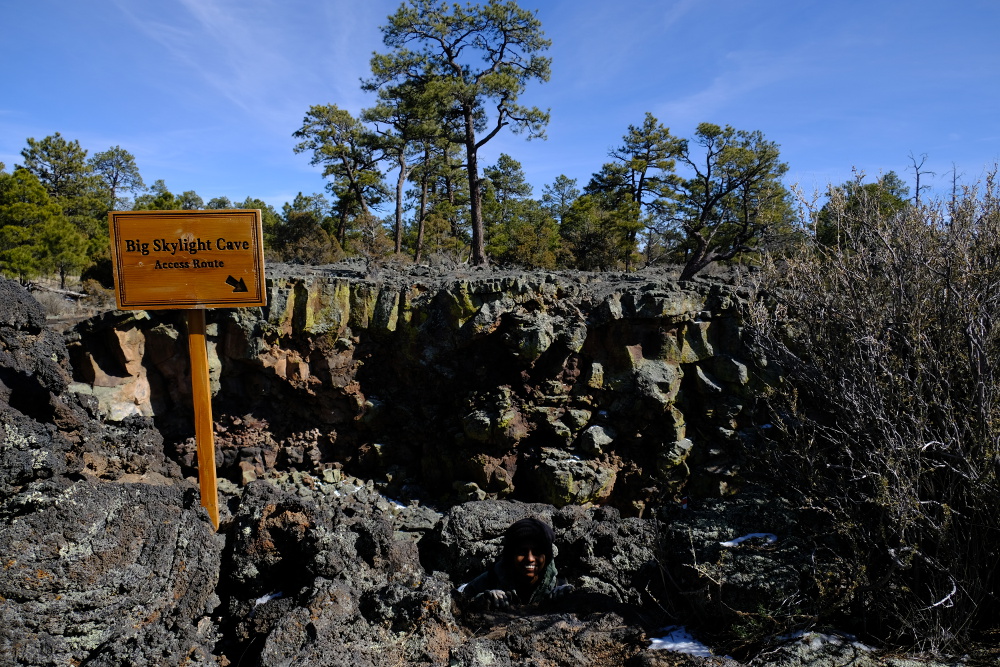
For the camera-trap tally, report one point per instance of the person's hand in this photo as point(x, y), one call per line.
point(565, 589)
point(494, 599)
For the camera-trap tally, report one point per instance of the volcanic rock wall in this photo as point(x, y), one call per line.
point(604, 397)
point(628, 390)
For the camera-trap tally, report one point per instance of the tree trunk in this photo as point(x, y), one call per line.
point(422, 212)
point(449, 189)
point(342, 228)
point(699, 260)
point(475, 196)
point(400, 183)
point(355, 187)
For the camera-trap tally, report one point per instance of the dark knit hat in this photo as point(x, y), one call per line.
point(528, 530)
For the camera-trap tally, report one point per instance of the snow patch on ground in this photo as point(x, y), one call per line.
point(770, 537)
point(679, 640)
point(267, 598)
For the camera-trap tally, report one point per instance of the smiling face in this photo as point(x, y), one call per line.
point(529, 563)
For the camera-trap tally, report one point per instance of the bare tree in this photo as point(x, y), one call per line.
point(918, 171)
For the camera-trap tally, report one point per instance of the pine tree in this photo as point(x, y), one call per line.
point(436, 45)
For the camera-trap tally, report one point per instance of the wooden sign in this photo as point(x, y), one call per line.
point(187, 259)
point(193, 260)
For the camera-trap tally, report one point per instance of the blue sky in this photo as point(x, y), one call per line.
point(206, 93)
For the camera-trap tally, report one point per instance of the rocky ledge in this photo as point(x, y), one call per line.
point(376, 436)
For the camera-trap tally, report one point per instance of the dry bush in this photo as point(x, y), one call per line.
point(99, 298)
point(889, 413)
point(369, 239)
point(55, 305)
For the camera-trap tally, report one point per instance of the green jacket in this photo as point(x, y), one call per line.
point(498, 577)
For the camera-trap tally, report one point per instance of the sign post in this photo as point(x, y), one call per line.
point(190, 260)
point(204, 434)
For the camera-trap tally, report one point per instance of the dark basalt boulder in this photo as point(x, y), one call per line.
point(110, 573)
point(328, 582)
point(107, 557)
point(596, 550)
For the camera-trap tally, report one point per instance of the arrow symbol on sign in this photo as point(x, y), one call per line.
point(238, 285)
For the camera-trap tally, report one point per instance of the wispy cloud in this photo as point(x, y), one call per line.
point(218, 42)
point(609, 42)
point(743, 73)
point(676, 11)
point(258, 56)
